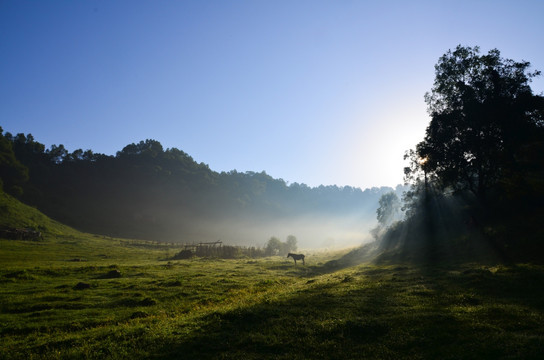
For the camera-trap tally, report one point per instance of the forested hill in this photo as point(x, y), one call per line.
point(145, 191)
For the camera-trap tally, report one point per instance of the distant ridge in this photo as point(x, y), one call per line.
point(148, 192)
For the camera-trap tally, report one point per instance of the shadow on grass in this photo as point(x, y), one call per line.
point(402, 312)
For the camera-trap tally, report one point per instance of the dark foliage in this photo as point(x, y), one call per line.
point(477, 181)
point(485, 120)
point(12, 173)
point(147, 192)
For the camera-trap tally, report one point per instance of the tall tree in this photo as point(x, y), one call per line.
point(389, 209)
point(291, 243)
point(12, 173)
point(483, 111)
point(273, 246)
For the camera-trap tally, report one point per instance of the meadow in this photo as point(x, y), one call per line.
point(81, 296)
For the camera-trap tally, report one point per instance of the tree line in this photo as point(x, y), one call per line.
point(477, 177)
point(148, 192)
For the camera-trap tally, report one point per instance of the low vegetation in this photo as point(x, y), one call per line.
point(83, 296)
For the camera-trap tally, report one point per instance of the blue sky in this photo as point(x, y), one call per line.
point(315, 92)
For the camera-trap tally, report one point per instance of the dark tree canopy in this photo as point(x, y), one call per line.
point(484, 113)
point(146, 191)
point(477, 178)
point(12, 173)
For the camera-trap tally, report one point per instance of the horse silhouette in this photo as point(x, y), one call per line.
point(297, 257)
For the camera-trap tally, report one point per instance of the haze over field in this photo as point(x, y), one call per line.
point(314, 92)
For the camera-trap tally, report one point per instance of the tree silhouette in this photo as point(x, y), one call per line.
point(12, 173)
point(389, 209)
point(273, 246)
point(291, 243)
point(483, 112)
point(146, 191)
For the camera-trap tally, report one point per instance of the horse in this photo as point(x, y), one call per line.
point(297, 257)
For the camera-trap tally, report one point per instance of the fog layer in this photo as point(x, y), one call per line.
point(147, 192)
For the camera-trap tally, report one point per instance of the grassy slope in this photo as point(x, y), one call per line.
point(265, 308)
point(15, 214)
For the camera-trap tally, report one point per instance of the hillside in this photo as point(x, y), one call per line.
point(15, 214)
point(59, 244)
point(148, 192)
point(94, 298)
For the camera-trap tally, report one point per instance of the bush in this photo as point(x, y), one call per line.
point(183, 254)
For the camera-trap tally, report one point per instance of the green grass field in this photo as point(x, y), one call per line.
point(132, 302)
point(265, 308)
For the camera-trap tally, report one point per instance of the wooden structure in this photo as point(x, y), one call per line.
point(201, 244)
